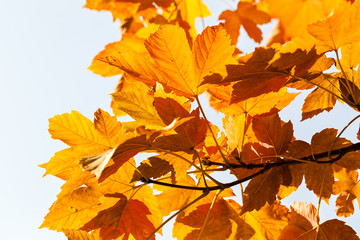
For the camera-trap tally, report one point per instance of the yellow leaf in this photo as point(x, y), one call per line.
point(268, 221)
point(340, 27)
point(77, 131)
point(73, 234)
point(295, 15)
point(174, 59)
point(212, 50)
point(137, 101)
point(61, 163)
point(129, 42)
point(73, 210)
point(321, 99)
point(190, 10)
point(108, 126)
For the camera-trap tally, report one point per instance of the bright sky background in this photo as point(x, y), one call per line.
point(45, 49)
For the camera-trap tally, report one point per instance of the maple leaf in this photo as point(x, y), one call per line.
point(125, 217)
point(61, 163)
point(322, 183)
point(295, 15)
point(154, 167)
point(72, 210)
point(72, 234)
point(164, 67)
point(339, 28)
point(265, 103)
point(268, 222)
point(172, 62)
point(277, 136)
point(322, 98)
point(347, 187)
point(190, 10)
point(129, 42)
point(133, 100)
point(247, 15)
point(190, 134)
point(302, 219)
point(77, 131)
point(219, 224)
point(262, 71)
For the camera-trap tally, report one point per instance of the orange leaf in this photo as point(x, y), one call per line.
point(174, 59)
point(72, 234)
point(72, 210)
point(268, 221)
point(125, 217)
point(219, 224)
point(191, 133)
point(295, 15)
point(302, 220)
point(340, 27)
point(247, 15)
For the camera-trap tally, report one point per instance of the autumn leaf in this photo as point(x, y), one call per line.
point(61, 163)
point(190, 10)
point(322, 183)
point(268, 222)
point(77, 131)
point(339, 28)
point(219, 224)
point(80, 235)
point(154, 168)
point(125, 217)
point(321, 99)
point(248, 16)
point(346, 186)
point(302, 220)
point(176, 159)
point(73, 210)
point(263, 71)
point(295, 15)
point(190, 134)
point(132, 100)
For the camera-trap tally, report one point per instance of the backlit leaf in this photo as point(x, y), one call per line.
point(125, 217)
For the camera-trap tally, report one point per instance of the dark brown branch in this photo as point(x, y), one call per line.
point(223, 186)
point(339, 153)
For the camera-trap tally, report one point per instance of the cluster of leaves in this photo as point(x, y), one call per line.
point(165, 66)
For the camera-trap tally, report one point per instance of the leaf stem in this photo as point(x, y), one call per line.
point(348, 88)
point(212, 133)
point(202, 169)
point(209, 212)
point(319, 203)
point(337, 137)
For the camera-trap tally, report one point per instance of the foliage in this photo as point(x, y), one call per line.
point(165, 66)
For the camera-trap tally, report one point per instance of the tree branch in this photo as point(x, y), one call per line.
point(339, 153)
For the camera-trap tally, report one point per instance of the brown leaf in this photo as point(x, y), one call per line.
point(336, 230)
point(272, 131)
point(261, 190)
point(154, 167)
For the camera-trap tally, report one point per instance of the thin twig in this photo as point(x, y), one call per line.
point(175, 214)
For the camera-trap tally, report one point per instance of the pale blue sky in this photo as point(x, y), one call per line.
point(45, 49)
